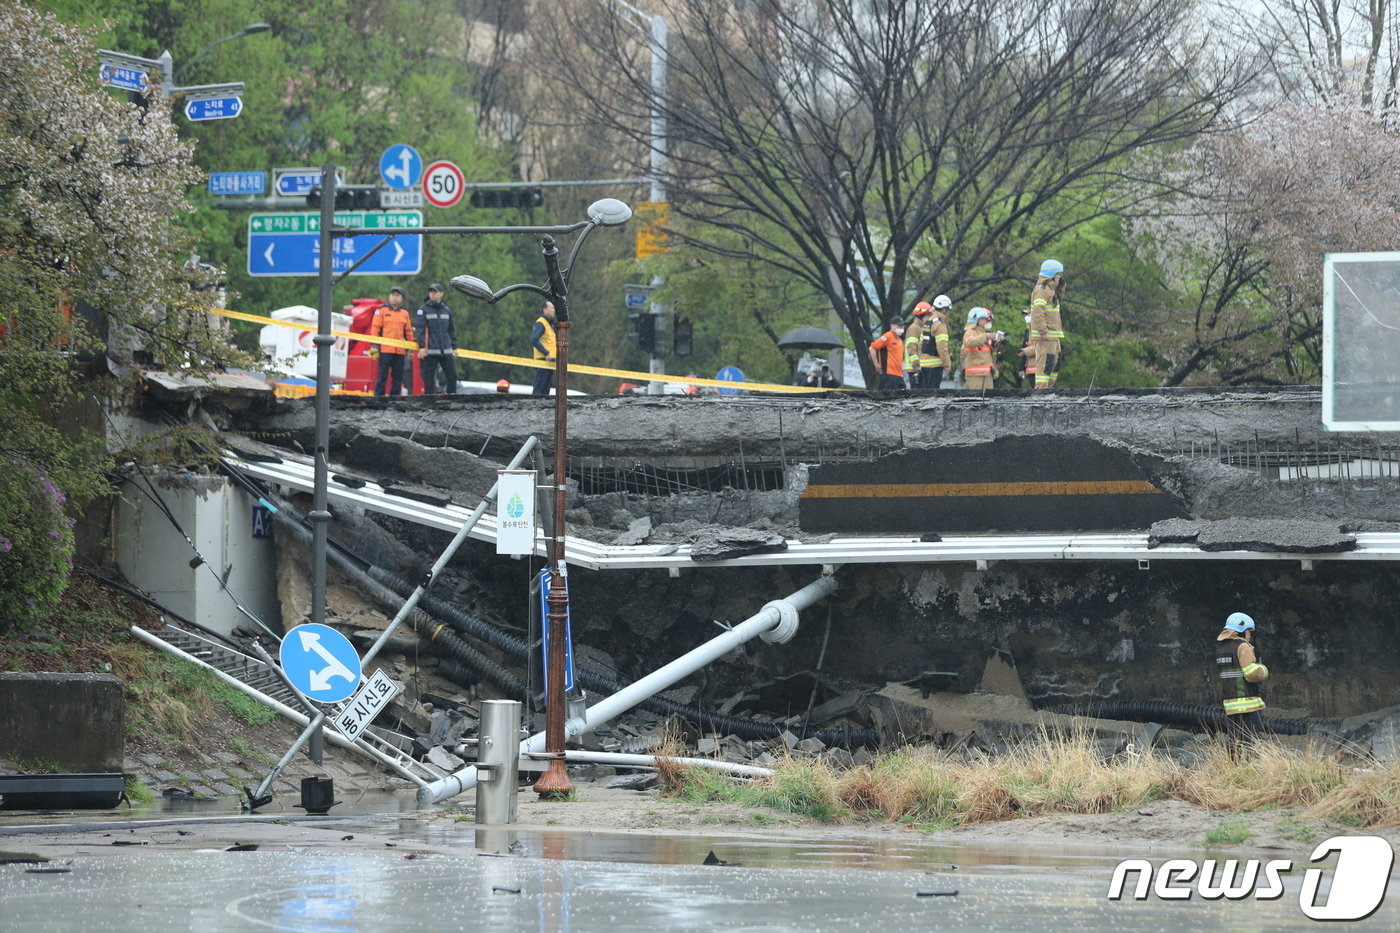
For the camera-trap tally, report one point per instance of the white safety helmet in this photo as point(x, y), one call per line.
point(942, 303)
point(1239, 622)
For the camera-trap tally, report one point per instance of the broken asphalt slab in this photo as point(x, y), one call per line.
point(1294, 536)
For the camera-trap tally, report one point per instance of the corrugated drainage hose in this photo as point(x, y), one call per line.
point(1192, 716)
point(429, 628)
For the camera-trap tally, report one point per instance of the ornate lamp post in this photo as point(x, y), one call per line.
point(607, 212)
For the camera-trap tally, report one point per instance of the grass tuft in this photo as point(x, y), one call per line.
point(1229, 833)
point(1053, 773)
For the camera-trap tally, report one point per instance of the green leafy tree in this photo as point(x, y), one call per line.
point(330, 82)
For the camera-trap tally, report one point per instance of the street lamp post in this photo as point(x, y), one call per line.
point(607, 212)
point(248, 30)
point(655, 28)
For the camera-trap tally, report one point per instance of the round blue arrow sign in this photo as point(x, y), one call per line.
point(320, 662)
point(400, 166)
point(729, 374)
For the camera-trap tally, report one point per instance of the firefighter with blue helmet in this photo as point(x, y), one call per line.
point(979, 345)
point(1046, 323)
point(1240, 672)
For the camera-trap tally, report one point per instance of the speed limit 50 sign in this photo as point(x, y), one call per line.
point(443, 184)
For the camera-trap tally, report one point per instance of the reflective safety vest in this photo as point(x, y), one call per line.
point(547, 339)
point(1238, 694)
point(936, 343)
point(912, 359)
point(1045, 312)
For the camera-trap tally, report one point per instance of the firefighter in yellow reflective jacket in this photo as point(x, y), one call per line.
point(979, 348)
point(937, 362)
point(1046, 323)
point(1240, 672)
point(913, 350)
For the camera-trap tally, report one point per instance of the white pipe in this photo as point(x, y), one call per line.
point(335, 737)
point(622, 760)
point(767, 618)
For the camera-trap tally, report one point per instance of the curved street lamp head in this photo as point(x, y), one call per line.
point(609, 212)
point(248, 30)
point(473, 286)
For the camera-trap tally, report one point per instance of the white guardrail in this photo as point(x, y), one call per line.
point(980, 549)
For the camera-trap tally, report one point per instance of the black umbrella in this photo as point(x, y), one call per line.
point(809, 338)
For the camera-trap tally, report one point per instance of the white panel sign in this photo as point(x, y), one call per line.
point(365, 705)
point(400, 198)
point(1361, 342)
point(515, 512)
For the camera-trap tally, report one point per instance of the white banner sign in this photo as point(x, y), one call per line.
point(365, 705)
point(515, 512)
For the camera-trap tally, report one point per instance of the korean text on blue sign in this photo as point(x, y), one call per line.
point(233, 183)
point(127, 79)
point(213, 108)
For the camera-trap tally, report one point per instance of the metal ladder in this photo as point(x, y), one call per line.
point(259, 678)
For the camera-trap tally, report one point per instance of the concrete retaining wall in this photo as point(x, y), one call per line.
point(72, 722)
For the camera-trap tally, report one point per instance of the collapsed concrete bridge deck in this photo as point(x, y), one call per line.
point(1267, 512)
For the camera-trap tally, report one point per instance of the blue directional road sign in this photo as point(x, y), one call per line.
point(290, 243)
point(295, 182)
point(400, 166)
point(120, 76)
point(729, 374)
point(320, 662)
point(231, 183)
point(213, 108)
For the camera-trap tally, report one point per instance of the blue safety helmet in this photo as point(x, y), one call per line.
point(978, 314)
point(1239, 622)
point(1051, 268)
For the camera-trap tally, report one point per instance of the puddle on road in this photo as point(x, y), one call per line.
point(560, 879)
point(376, 891)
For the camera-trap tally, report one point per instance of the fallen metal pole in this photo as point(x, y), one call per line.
point(409, 605)
point(624, 760)
point(776, 621)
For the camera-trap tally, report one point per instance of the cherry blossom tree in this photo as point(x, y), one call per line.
point(1241, 240)
point(89, 185)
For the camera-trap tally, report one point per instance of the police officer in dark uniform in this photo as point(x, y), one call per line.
point(437, 342)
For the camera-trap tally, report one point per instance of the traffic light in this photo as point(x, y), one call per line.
point(507, 197)
point(348, 198)
point(644, 331)
point(680, 338)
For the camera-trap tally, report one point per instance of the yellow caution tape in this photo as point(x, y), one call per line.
point(626, 374)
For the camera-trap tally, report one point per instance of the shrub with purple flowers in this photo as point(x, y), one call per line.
point(36, 545)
